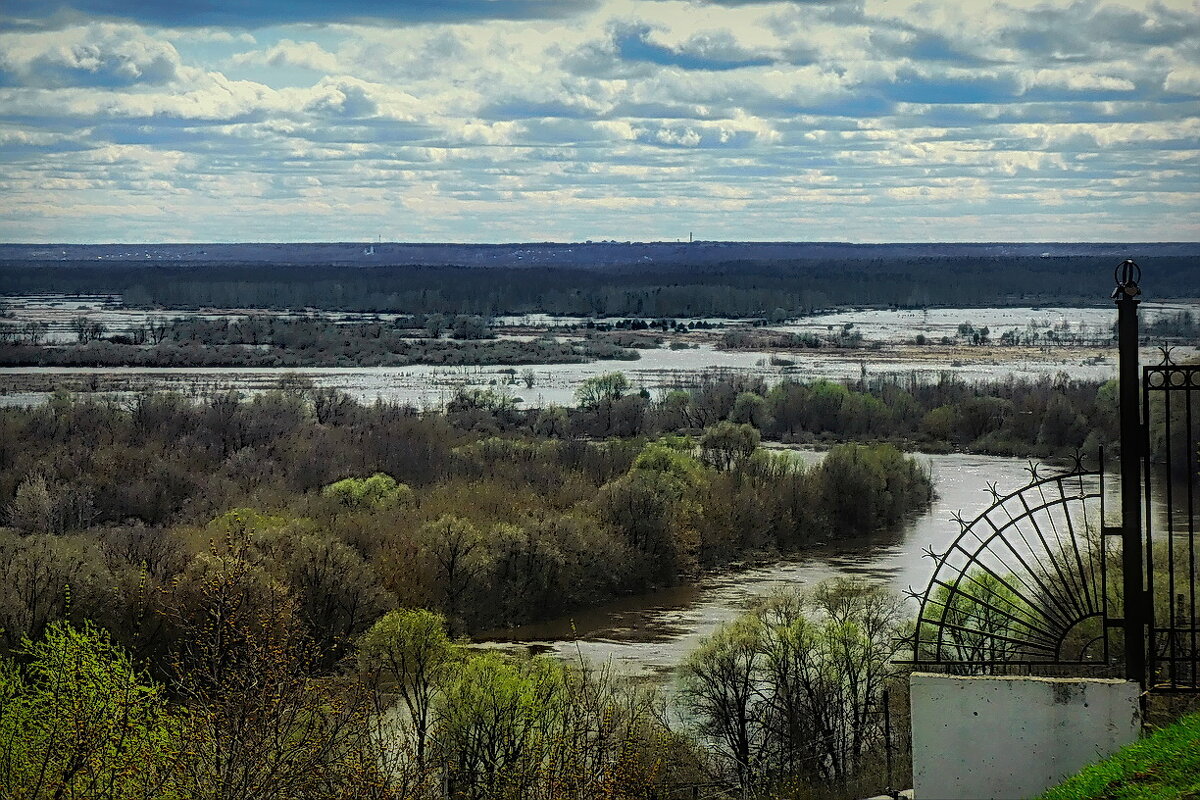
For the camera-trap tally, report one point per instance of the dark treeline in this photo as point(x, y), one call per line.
point(1181, 324)
point(743, 288)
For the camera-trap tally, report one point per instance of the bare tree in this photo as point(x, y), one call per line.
point(156, 329)
point(81, 325)
point(791, 691)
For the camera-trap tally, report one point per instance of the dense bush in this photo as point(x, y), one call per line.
point(1044, 417)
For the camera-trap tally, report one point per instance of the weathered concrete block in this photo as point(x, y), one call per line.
point(1005, 738)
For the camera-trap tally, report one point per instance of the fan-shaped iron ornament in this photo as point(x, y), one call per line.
point(1023, 583)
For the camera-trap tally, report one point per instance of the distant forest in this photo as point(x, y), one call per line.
point(736, 288)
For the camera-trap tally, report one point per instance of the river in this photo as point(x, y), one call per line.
point(647, 636)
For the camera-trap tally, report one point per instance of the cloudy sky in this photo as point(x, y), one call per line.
point(520, 120)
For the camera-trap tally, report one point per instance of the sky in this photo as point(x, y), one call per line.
point(568, 120)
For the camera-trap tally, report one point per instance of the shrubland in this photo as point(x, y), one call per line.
point(266, 597)
point(263, 598)
point(357, 509)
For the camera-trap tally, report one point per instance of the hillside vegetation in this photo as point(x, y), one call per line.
point(1163, 766)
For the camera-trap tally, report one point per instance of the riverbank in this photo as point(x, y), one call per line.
point(648, 636)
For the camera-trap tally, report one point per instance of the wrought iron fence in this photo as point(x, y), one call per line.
point(1171, 413)
point(1040, 579)
point(1024, 583)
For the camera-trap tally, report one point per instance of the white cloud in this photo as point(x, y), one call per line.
point(100, 55)
point(1077, 80)
point(1183, 79)
point(286, 53)
point(729, 116)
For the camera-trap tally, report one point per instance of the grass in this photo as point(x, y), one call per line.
point(1164, 765)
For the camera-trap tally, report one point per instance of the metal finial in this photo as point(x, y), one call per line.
point(1127, 275)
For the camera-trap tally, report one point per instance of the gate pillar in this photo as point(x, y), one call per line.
point(1135, 615)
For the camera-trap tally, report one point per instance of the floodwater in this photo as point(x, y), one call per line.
point(935, 323)
point(657, 370)
point(647, 636)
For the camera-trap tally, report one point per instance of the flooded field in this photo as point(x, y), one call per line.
point(936, 323)
point(888, 350)
point(57, 311)
point(656, 371)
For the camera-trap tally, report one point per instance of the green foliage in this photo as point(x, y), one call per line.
point(41, 506)
point(242, 522)
point(452, 550)
point(496, 720)
point(670, 456)
point(728, 445)
point(258, 566)
point(788, 693)
point(983, 622)
point(467, 326)
point(551, 421)
point(1061, 424)
point(825, 402)
point(78, 721)
point(654, 512)
point(409, 652)
point(378, 491)
point(866, 488)
point(941, 423)
point(1163, 766)
point(535, 527)
point(46, 578)
point(718, 687)
point(750, 408)
point(337, 593)
point(601, 389)
point(539, 729)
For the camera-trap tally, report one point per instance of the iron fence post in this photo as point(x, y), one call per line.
point(1127, 297)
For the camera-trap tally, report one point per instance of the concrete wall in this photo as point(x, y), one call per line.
point(1010, 738)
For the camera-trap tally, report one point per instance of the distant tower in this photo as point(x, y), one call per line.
point(689, 237)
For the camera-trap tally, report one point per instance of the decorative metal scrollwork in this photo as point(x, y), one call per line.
point(1023, 583)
